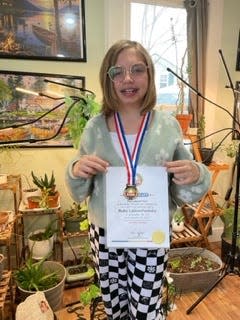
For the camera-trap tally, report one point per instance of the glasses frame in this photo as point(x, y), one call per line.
point(125, 70)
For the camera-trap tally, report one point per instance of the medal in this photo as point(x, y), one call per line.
point(130, 192)
point(131, 160)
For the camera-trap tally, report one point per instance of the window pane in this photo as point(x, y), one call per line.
point(162, 31)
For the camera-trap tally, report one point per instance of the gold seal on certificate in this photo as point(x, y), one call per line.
point(158, 236)
point(130, 192)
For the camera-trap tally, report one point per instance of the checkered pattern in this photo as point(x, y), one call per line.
point(130, 279)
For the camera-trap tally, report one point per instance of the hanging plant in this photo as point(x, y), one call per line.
point(83, 109)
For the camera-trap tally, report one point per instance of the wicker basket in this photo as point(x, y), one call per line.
point(195, 281)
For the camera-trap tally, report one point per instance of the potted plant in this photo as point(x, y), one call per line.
point(82, 270)
point(82, 110)
point(44, 182)
point(91, 297)
point(49, 195)
point(29, 191)
point(76, 214)
point(178, 221)
point(182, 115)
point(193, 268)
point(46, 276)
point(227, 218)
point(40, 242)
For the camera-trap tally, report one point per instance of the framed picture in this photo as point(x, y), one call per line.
point(33, 112)
point(238, 54)
point(236, 126)
point(40, 29)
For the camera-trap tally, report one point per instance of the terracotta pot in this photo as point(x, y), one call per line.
point(28, 193)
point(184, 121)
point(33, 202)
point(53, 201)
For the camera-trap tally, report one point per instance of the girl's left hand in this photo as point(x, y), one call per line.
point(184, 171)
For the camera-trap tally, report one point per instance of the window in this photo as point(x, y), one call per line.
point(162, 31)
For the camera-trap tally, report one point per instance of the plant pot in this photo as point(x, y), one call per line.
point(226, 250)
point(40, 249)
point(26, 193)
point(195, 281)
point(53, 200)
point(177, 226)
point(184, 121)
point(34, 202)
point(78, 272)
point(72, 225)
point(53, 295)
point(207, 155)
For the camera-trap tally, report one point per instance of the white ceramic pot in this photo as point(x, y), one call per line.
point(40, 249)
point(177, 226)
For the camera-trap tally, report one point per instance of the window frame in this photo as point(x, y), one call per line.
point(117, 17)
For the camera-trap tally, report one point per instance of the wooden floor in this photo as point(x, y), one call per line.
point(222, 303)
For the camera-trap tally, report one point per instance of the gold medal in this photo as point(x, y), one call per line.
point(130, 192)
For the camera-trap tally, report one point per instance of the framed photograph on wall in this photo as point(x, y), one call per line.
point(236, 133)
point(43, 30)
point(33, 109)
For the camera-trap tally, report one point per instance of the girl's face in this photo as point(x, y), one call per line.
point(130, 79)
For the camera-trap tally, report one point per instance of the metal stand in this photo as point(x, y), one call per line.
point(229, 267)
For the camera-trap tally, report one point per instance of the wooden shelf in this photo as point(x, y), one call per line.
point(189, 233)
point(6, 291)
point(199, 221)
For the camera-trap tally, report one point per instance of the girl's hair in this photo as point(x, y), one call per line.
point(110, 99)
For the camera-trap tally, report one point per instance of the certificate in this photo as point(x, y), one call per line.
point(143, 221)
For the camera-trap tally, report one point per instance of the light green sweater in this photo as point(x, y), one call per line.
point(163, 142)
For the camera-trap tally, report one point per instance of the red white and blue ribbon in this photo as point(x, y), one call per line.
point(131, 160)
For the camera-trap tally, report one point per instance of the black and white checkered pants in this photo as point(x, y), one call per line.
point(130, 279)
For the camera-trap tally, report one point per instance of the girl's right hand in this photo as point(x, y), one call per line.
point(89, 165)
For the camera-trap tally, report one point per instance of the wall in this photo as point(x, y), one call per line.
point(223, 33)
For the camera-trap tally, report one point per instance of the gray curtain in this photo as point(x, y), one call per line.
point(197, 20)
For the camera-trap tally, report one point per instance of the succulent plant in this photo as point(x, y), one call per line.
point(44, 182)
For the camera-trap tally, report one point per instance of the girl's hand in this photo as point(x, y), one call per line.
point(89, 165)
point(184, 171)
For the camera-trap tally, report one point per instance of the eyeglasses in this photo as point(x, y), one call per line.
point(118, 73)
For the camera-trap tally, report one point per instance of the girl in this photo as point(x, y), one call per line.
point(131, 279)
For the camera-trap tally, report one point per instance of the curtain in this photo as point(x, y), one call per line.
point(197, 20)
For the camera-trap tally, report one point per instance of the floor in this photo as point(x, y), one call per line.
point(222, 303)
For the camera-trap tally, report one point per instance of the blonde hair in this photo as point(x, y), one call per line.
point(110, 99)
